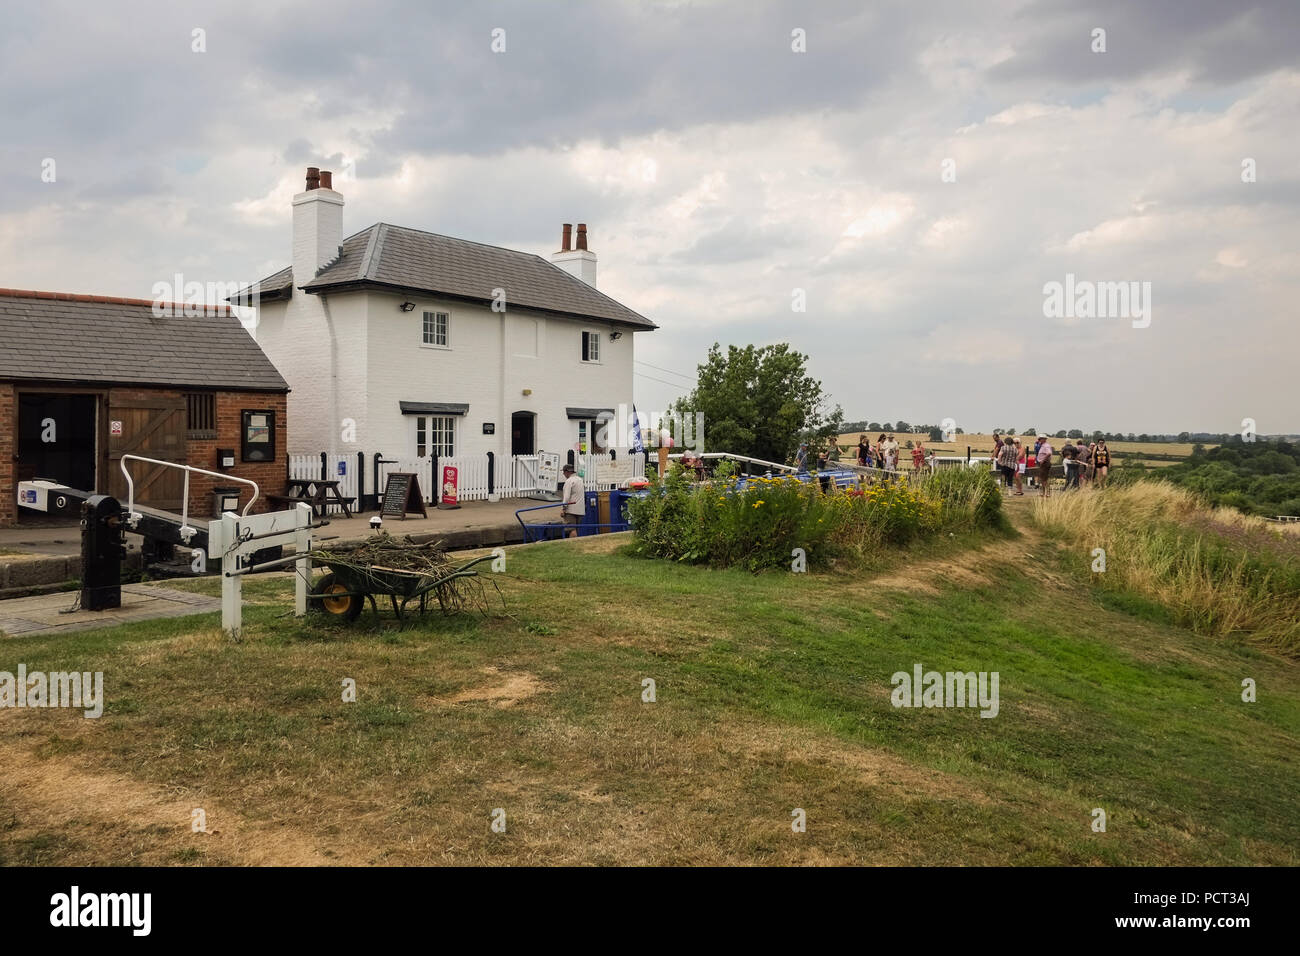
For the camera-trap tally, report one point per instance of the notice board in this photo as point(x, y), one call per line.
point(402, 495)
point(616, 473)
point(548, 470)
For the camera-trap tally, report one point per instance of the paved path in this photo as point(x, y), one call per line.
point(50, 614)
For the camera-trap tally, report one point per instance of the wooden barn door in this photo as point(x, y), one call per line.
point(152, 427)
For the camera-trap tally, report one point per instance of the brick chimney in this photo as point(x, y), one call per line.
point(579, 261)
point(317, 225)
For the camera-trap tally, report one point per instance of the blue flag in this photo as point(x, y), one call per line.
point(637, 445)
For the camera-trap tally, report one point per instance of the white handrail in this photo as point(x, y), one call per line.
point(133, 517)
point(746, 458)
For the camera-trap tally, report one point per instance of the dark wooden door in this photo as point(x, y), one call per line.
point(56, 438)
point(152, 428)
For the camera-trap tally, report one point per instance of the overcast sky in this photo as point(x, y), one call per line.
point(719, 170)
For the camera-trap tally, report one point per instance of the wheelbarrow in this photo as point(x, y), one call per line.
point(342, 592)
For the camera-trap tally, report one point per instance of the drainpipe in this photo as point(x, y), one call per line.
point(334, 371)
point(504, 433)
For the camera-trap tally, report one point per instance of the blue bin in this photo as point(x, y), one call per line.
point(591, 520)
point(617, 501)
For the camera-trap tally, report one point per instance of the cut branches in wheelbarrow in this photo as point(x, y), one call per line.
point(402, 571)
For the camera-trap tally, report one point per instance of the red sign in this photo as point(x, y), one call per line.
point(449, 480)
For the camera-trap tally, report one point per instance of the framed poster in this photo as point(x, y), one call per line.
point(548, 469)
point(257, 434)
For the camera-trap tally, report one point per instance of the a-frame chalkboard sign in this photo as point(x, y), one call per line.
point(402, 496)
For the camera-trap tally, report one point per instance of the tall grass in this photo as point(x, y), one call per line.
point(1218, 571)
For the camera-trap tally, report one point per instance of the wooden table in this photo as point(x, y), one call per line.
point(320, 493)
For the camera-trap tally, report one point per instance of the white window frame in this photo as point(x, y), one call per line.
point(439, 435)
point(424, 342)
point(583, 346)
point(589, 430)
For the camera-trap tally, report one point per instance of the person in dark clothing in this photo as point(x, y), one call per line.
point(1070, 455)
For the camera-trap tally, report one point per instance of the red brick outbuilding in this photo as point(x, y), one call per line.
point(86, 379)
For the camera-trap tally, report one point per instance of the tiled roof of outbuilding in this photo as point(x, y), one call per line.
point(64, 337)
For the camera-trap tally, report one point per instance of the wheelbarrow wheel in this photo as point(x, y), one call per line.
point(331, 596)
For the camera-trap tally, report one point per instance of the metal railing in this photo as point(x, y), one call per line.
point(186, 532)
point(745, 458)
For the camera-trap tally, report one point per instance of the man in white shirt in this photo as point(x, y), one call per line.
point(891, 454)
point(574, 499)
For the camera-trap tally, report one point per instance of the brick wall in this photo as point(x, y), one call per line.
point(270, 475)
point(8, 451)
point(201, 454)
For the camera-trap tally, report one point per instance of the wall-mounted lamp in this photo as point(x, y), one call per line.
point(615, 336)
point(407, 306)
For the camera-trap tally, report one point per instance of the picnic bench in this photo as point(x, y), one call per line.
point(320, 493)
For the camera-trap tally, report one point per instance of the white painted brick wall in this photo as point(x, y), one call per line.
point(378, 361)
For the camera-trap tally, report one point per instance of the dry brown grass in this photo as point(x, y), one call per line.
point(1160, 541)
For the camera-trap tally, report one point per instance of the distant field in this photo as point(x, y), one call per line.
point(983, 445)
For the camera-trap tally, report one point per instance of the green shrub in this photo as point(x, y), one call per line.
point(760, 525)
point(968, 498)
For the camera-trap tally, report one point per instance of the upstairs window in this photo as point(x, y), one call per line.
point(434, 330)
point(590, 346)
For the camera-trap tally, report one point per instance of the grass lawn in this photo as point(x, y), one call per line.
point(773, 693)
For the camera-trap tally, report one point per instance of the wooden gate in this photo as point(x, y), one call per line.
point(153, 427)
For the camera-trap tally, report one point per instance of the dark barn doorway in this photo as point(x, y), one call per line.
point(56, 438)
point(523, 433)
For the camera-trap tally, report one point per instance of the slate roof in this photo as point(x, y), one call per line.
point(61, 337)
point(401, 259)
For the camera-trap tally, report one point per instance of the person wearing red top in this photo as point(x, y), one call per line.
point(918, 457)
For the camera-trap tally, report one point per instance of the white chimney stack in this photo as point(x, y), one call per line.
point(579, 261)
point(317, 225)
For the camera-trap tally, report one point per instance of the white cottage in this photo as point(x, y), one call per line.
point(409, 343)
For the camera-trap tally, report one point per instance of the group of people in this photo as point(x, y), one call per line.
point(883, 454)
point(1084, 465)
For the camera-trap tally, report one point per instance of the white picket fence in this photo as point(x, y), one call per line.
point(308, 467)
point(514, 477)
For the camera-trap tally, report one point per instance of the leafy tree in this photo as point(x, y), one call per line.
point(903, 427)
point(1075, 433)
point(1060, 434)
point(760, 401)
point(874, 427)
point(1031, 430)
point(936, 433)
point(888, 427)
point(1184, 437)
